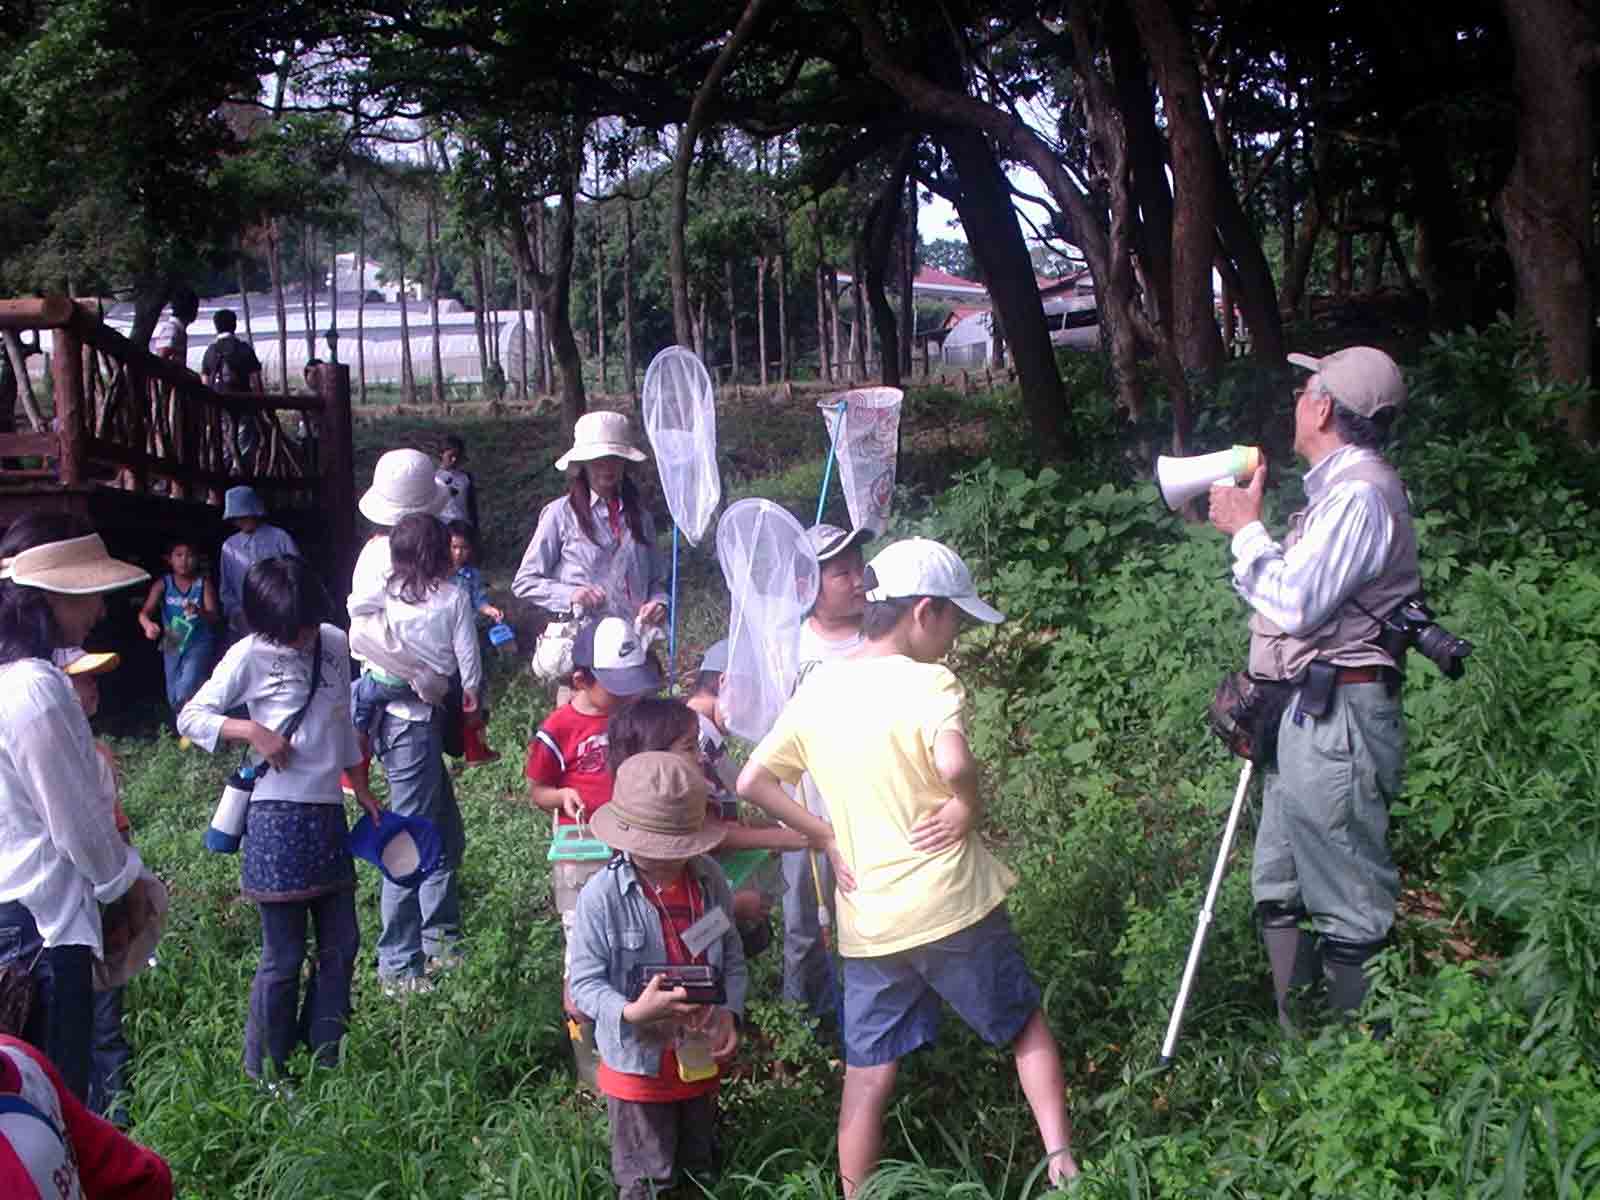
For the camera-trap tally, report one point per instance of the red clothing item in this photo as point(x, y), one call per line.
point(569, 750)
point(679, 908)
point(53, 1148)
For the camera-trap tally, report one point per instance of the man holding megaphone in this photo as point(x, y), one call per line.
point(1322, 601)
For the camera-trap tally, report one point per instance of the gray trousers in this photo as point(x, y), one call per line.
point(1323, 843)
point(808, 972)
point(653, 1144)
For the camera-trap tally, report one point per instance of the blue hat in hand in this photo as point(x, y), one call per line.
point(406, 849)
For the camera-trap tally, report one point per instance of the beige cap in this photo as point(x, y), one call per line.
point(1361, 378)
point(79, 566)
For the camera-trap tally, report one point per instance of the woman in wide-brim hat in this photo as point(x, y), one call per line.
point(594, 548)
point(69, 884)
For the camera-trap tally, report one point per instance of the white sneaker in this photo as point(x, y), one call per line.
point(400, 986)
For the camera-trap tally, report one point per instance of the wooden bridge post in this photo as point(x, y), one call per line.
point(66, 373)
point(338, 495)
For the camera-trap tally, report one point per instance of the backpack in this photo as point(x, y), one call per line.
point(233, 370)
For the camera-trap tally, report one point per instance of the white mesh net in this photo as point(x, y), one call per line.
point(866, 438)
point(680, 418)
point(772, 575)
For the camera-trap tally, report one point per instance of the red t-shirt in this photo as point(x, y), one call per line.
point(51, 1146)
point(680, 906)
point(570, 751)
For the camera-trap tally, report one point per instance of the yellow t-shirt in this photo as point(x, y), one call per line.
point(865, 728)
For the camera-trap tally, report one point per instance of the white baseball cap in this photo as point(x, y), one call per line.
point(614, 651)
point(924, 567)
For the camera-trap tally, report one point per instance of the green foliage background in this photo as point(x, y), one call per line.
point(1106, 796)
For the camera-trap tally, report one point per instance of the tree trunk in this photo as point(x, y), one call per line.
point(525, 340)
point(408, 377)
point(244, 297)
point(1547, 202)
point(600, 278)
point(858, 317)
point(785, 348)
point(824, 363)
point(333, 302)
point(24, 385)
point(308, 292)
point(908, 281)
point(1194, 163)
point(761, 315)
point(361, 307)
point(878, 233)
point(987, 216)
point(275, 267)
point(683, 157)
point(541, 330)
point(480, 320)
point(1305, 243)
point(628, 268)
point(436, 363)
point(733, 319)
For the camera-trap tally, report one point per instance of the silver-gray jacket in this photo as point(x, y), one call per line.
point(618, 927)
point(560, 559)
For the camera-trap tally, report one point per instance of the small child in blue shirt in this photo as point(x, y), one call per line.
point(463, 549)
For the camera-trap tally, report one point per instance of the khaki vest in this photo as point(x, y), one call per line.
point(1348, 638)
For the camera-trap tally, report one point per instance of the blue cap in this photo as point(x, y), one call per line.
point(406, 849)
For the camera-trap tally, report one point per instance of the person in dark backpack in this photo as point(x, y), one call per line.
point(231, 365)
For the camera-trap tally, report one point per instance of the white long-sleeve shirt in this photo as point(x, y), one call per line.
point(1342, 547)
point(441, 633)
point(60, 852)
point(271, 681)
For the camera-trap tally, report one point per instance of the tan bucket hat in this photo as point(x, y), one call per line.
point(402, 484)
point(601, 435)
point(657, 809)
point(78, 566)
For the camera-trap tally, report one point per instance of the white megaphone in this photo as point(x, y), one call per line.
point(1182, 479)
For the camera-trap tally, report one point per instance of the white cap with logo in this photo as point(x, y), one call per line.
point(613, 650)
point(924, 567)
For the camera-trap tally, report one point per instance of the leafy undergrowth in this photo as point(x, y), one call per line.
point(1107, 798)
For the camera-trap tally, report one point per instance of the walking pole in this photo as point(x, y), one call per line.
point(827, 470)
point(672, 628)
point(1195, 947)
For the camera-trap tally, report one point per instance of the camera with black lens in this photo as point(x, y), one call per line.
point(1412, 625)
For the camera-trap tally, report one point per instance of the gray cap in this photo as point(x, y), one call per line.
point(242, 501)
point(1361, 378)
point(829, 540)
point(716, 658)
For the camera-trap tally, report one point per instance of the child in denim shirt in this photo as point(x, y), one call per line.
point(660, 901)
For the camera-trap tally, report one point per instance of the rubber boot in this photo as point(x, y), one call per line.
point(1292, 953)
point(476, 749)
point(363, 773)
point(1344, 967)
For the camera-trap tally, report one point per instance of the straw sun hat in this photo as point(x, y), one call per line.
point(402, 484)
point(600, 435)
point(657, 809)
point(78, 566)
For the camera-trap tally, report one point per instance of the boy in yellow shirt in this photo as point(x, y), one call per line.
point(925, 920)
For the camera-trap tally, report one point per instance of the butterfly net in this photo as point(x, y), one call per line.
point(772, 575)
point(680, 418)
point(865, 434)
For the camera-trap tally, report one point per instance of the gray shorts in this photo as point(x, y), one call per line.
point(892, 1003)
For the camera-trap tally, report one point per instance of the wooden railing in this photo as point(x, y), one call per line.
point(125, 418)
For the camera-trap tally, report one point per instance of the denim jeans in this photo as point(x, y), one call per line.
point(808, 972)
point(186, 672)
point(423, 921)
point(62, 1021)
point(279, 1020)
point(368, 696)
point(108, 1069)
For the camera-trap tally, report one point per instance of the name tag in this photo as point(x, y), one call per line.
point(706, 930)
